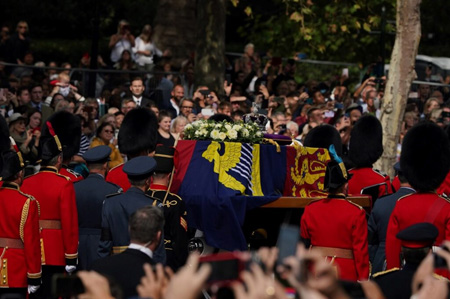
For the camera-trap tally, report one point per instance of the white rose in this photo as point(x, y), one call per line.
point(232, 134)
point(188, 127)
point(218, 126)
point(237, 127)
point(245, 133)
point(228, 126)
point(222, 136)
point(215, 134)
point(259, 134)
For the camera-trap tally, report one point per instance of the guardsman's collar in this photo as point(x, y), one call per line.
point(10, 185)
point(338, 195)
point(158, 187)
point(49, 168)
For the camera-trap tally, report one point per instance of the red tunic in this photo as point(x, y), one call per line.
point(56, 197)
point(72, 175)
point(20, 221)
point(118, 177)
point(338, 223)
point(396, 184)
point(412, 209)
point(366, 177)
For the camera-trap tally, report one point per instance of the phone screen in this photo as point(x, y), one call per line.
point(287, 241)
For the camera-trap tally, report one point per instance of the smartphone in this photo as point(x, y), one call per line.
point(228, 79)
point(205, 92)
point(225, 267)
point(345, 72)
point(276, 61)
point(288, 239)
point(440, 262)
point(413, 95)
point(207, 112)
point(66, 285)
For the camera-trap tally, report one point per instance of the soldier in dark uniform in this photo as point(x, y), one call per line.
point(20, 253)
point(417, 241)
point(379, 220)
point(175, 227)
point(137, 137)
point(68, 128)
point(118, 207)
point(366, 146)
point(90, 194)
point(126, 269)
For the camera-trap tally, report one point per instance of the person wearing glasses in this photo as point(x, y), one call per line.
point(105, 136)
point(186, 107)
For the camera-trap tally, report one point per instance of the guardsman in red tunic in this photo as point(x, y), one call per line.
point(338, 227)
point(425, 162)
point(366, 146)
point(20, 254)
point(58, 219)
point(68, 128)
point(137, 137)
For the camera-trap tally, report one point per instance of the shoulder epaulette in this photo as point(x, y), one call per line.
point(315, 200)
point(27, 195)
point(113, 194)
point(76, 174)
point(385, 272)
point(445, 197)
point(405, 196)
point(63, 176)
point(384, 174)
point(116, 166)
point(355, 204)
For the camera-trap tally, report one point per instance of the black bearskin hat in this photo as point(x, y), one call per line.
point(138, 132)
point(366, 142)
point(322, 137)
point(68, 128)
point(425, 157)
point(11, 162)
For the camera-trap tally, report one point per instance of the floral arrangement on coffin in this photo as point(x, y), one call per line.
point(223, 131)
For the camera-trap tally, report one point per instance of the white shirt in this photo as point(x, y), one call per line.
point(140, 45)
point(137, 100)
point(142, 249)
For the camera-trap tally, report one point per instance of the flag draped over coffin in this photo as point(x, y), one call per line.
point(212, 177)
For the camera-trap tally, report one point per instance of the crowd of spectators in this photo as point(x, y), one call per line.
point(29, 96)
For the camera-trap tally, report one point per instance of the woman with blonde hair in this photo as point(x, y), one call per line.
point(177, 126)
point(144, 49)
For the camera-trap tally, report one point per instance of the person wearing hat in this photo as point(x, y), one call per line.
point(379, 219)
point(26, 140)
point(58, 220)
point(417, 241)
point(90, 194)
point(20, 262)
point(336, 226)
point(68, 128)
point(366, 147)
point(425, 162)
point(118, 207)
point(175, 227)
point(137, 137)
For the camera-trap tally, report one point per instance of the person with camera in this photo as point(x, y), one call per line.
point(120, 41)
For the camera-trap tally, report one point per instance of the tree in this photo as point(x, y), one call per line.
point(210, 51)
point(401, 74)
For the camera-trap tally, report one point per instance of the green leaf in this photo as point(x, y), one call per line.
point(366, 27)
point(297, 17)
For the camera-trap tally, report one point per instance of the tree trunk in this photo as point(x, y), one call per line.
point(401, 74)
point(210, 51)
point(174, 29)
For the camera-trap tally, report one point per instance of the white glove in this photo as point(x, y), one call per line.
point(70, 269)
point(32, 289)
